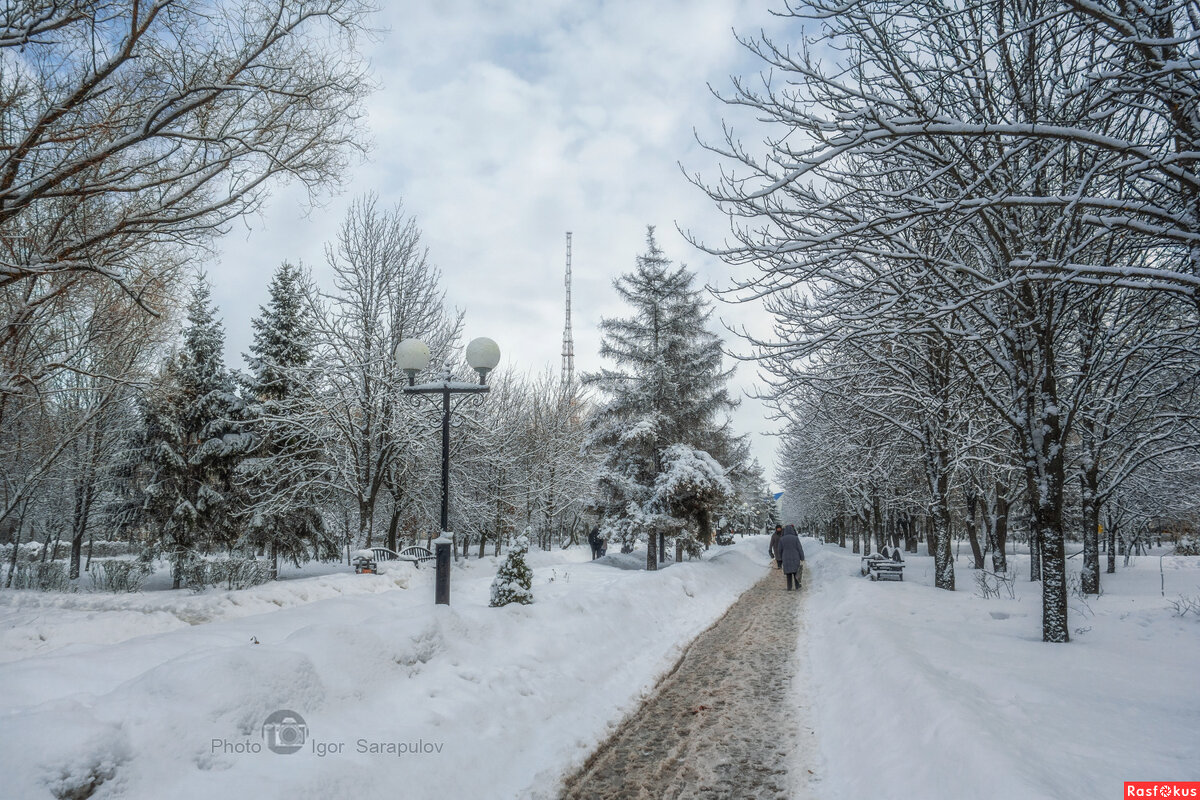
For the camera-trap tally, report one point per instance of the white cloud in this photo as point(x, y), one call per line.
point(501, 126)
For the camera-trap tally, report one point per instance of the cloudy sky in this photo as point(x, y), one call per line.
point(502, 125)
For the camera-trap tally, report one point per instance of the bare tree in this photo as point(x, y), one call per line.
point(133, 132)
point(384, 290)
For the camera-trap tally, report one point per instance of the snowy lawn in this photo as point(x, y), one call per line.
point(157, 694)
point(919, 692)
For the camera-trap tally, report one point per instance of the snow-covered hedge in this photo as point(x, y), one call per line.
point(48, 577)
point(231, 573)
point(32, 551)
point(118, 575)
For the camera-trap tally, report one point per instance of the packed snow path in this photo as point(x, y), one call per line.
point(723, 723)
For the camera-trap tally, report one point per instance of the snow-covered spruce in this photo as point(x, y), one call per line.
point(514, 580)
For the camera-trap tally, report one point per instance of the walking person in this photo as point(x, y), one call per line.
point(596, 542)
point(773, 550)
point(792, 555)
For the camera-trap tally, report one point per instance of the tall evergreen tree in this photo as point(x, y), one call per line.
point(667, 388)
point(285, 463)
point(191, 442)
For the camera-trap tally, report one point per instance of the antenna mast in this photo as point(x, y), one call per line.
point(568, 346)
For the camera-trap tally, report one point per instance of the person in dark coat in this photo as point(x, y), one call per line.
point(773, 550)
point(792, 555)
point(596, 542)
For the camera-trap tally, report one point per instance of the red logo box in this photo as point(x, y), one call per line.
point(1160, 789)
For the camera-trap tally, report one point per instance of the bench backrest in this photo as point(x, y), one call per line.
point(417, 552)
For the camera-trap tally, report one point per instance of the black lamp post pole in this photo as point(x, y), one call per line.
point(442, 544)
point(441, 594)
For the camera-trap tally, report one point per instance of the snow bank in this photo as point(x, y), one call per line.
point(919, 692)
point(41, 622)
point(400, 697)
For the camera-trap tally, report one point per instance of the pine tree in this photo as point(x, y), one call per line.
point(276, 480)
point(668, 388)
point(514, 580)
point(191, 442)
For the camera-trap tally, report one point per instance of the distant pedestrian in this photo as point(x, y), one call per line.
point(773, 550)
point(792, 555)
point(596, 542)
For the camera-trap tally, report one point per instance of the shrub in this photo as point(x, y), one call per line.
point(238, 573)
point(48, 577)
point(114, 575)
point(514, 581)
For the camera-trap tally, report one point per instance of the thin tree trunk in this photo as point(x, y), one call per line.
point(1090, 577)
point(12, 559)
point(972, 530)
point(393, 530)
point(943, 559)
point(1000, 523)
point(1035, 553)
point(1112, 548)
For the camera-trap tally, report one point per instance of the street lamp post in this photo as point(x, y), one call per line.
point(412, 356)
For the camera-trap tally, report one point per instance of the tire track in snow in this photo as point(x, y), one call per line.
point(722, 723)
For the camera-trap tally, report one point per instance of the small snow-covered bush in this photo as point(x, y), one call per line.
point(1185, 604)
point(514, 581)
point(238, 573)
point(48, 577)
point(194, 574)
point(118, 575)
point(1188, 545)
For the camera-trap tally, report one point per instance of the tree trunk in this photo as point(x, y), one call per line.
point(12, 559)
point(1090, 577)
point(652, 552)
point(1111, 567)
point(1035, 553)
point(1000, 530)
point(943, 559)
point(1054, 575)
point(662, 547)
point(364, 527)
point(274, 560)
point(393, 529)
point(972, 530)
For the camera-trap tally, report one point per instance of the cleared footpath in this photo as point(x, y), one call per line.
point(723, 723)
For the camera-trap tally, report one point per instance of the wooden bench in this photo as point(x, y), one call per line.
point(880, 567)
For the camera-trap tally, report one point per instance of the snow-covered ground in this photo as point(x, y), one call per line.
point(154, 694)
point(909, 691)
point(926, 693)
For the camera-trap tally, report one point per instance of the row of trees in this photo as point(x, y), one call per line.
point(131, 133)
point(978, 227)
point(314, 447)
